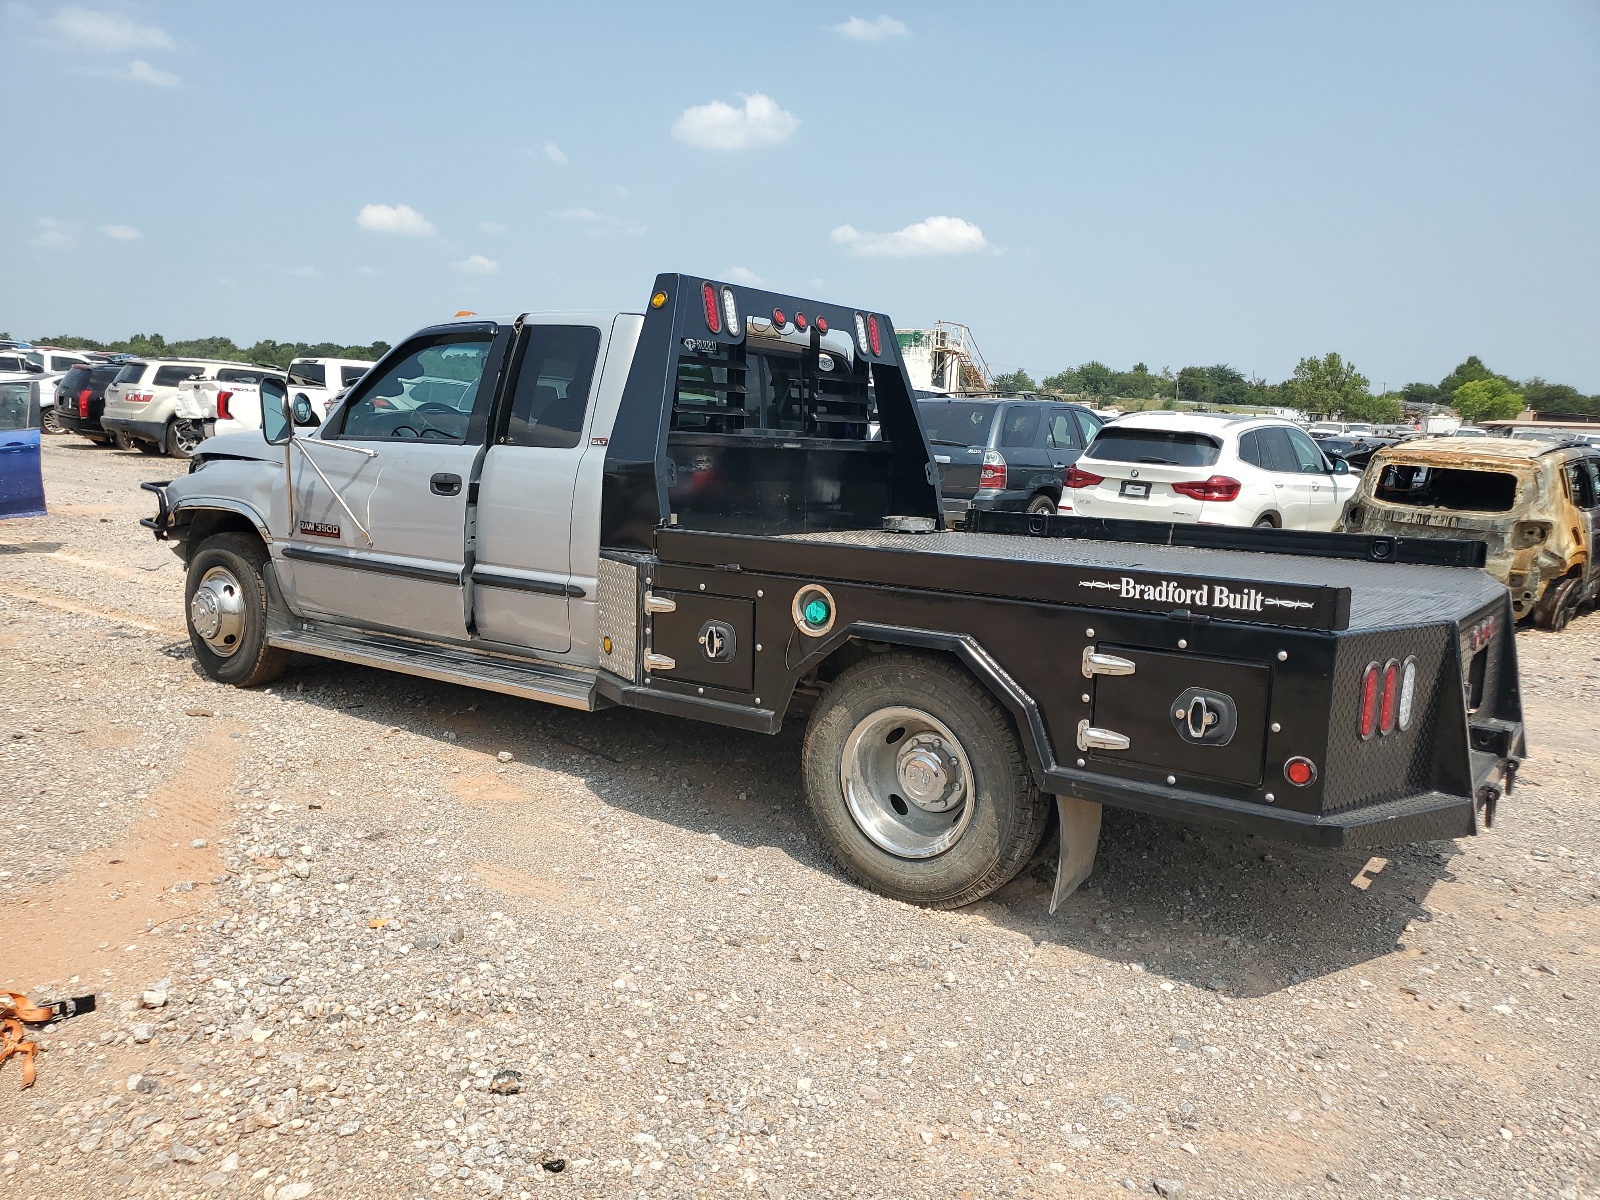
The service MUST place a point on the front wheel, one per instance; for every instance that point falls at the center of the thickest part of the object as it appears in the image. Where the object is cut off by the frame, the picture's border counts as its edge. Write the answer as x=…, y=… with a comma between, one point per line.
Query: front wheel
x=226, y=600
x=919, y=782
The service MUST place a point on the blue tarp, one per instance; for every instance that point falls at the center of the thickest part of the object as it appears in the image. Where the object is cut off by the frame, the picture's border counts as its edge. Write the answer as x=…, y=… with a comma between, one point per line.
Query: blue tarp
x=21, y=473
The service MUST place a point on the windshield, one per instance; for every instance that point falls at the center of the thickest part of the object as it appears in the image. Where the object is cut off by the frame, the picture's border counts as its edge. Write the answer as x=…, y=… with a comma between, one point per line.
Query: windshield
x=957, y=424
x=1118, y=443
x=307, y=374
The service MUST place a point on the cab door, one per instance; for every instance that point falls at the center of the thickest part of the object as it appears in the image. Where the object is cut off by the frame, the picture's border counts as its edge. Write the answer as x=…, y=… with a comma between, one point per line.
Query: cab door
x=377, y=533
x=1320, y=498
x=21, y=482
x=523, y=579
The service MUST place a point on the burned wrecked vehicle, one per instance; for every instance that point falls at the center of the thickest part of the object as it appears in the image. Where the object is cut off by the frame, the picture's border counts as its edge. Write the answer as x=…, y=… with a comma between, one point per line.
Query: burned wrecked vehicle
x=1535, y=505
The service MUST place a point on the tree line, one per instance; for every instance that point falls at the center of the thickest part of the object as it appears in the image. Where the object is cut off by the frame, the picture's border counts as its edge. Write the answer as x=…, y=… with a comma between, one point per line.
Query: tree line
x=1329, y=386
x=264, y=353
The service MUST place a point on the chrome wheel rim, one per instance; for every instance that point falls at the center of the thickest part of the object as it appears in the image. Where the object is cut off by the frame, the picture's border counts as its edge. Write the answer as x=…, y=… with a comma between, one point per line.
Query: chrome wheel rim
x=216, y=611
x=187, y=437
x=907, y=782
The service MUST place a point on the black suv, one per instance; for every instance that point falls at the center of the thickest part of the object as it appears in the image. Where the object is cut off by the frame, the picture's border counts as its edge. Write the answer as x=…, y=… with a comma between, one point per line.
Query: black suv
x=1004, y=454
x=81, y=396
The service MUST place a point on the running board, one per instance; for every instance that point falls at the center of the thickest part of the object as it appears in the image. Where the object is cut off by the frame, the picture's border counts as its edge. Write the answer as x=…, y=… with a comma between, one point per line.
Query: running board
x=568, y=687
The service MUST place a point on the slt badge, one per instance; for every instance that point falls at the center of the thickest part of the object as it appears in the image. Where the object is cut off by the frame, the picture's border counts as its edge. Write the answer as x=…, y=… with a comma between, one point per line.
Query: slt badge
x=718, y=642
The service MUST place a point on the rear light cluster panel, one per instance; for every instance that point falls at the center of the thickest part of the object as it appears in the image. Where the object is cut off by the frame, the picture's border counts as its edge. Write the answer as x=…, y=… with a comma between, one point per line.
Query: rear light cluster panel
x=721, y=309
x=1388, y=697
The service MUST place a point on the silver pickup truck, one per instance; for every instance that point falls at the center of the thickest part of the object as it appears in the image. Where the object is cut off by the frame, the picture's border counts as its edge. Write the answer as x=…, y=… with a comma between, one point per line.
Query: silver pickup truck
x=724, y=506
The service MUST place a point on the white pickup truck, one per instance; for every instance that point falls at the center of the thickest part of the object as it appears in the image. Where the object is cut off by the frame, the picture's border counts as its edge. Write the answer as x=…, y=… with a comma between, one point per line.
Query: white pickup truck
x=205, y=408
x=682, y=509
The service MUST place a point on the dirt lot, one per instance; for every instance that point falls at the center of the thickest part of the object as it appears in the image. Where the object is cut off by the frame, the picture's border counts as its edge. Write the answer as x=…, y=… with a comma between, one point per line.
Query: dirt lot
x=322, y=917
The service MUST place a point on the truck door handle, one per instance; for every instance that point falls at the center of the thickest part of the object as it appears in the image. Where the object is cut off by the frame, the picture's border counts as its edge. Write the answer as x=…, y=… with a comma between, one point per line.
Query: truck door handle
x=445, y=484
x=1090, y=738
x=1095, y=663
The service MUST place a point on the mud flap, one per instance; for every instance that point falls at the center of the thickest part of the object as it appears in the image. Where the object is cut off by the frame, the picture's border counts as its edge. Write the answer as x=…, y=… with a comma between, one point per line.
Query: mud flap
x=1080, y=839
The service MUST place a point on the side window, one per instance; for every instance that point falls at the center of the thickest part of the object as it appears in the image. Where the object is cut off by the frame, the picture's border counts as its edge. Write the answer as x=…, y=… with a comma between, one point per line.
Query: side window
x=1250, y=448
x=1021, y=429
x=428, y=394
x=1591, y=468
x=1580, y=477
x=1088, y=423
x=551, y=395
x=1308, y=459
x=1276, y=452
x=349, y=375
x=173, y=376
x=1064, y=431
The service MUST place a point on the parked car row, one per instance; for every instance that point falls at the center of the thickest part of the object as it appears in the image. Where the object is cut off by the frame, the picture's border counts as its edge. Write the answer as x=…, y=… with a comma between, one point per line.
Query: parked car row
x=169, y=405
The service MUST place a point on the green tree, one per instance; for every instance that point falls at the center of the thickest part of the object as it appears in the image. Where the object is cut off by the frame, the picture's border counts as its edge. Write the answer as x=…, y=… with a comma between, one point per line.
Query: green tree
x=1138, y=382
x=1327, y=386
x=1015, y=381
x=1098, y=379
x=1558, y=399
x=1488, y=399
x=1424, y=393
x=1469, y=371
x=1377, y=410
x=1063, y=383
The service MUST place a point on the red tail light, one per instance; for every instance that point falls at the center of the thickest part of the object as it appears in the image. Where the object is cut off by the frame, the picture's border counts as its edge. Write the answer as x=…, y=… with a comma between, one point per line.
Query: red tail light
x=1369, y=701
x=993, y=474
x=778, y=318
x=799, y=320
x=713, y=310
x=1301, y=772
x=1218, y=487
x=872, y=337
x=1077, y=477
x=1387, y=708
x=83, y=404
x=822, y=324
x=223, y=412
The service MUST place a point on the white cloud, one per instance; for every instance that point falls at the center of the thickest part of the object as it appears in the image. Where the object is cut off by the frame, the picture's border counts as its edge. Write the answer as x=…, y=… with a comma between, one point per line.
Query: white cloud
x=720, y=126
x=936, y=235
x=120, y=233
x=394, y=218
x=477, y=264
x=861, y=30
x=745, y=276
x=111, y=32
x=554, y=153
x=491, y=227
x=599, y=223
x=142, y=72
x=303, y=272
x=53, y=235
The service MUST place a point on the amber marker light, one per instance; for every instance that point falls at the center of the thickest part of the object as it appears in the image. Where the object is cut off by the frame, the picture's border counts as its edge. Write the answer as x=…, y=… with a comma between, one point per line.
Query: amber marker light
x=466, y=313
x=658, y=300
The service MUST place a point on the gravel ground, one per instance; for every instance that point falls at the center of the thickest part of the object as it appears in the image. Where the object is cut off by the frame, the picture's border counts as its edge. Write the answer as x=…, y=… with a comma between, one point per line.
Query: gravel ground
x=357, y=935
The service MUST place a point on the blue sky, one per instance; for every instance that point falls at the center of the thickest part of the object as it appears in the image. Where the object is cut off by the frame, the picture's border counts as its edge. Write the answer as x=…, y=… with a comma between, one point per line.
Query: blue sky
x=1168, y=182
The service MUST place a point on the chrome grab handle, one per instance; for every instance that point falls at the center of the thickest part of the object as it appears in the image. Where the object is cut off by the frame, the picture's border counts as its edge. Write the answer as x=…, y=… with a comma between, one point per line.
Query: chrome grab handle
x=659, y=604
x=658, y=662
x=1096, y=663
x=1090, y=738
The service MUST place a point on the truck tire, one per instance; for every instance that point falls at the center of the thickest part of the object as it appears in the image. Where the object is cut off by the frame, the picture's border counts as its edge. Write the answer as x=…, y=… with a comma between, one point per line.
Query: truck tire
x=919, y=782
x=225, y=601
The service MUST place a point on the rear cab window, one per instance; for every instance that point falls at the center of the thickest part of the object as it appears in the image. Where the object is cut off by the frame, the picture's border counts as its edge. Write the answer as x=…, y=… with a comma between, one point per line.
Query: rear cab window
x=75, y=380
x=1176, y=448
x=131, y=372
x=241, y=375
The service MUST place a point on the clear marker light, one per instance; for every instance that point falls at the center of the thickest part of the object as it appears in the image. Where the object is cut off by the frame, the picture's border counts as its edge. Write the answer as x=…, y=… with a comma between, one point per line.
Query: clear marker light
x=861, y=334
x=730, y=310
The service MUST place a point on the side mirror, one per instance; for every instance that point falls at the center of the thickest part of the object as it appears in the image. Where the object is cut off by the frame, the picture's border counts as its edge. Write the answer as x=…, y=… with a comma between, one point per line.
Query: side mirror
x=1340, y=467
x=304, y=414
x=277, y=422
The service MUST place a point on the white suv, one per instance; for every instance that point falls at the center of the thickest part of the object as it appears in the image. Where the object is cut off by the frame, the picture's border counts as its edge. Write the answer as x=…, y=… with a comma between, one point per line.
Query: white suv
x=141, y=401
x=323, y=380
x=1211, y=470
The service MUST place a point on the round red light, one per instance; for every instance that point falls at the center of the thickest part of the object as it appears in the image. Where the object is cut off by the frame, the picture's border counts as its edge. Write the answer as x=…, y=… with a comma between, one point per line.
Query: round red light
x=799, y=320
x=778, y=319
x=822, y=324
x=1300, y=771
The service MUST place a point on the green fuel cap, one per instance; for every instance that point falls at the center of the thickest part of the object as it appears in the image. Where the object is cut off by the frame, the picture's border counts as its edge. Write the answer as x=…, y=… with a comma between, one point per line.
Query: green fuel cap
x=816, y=611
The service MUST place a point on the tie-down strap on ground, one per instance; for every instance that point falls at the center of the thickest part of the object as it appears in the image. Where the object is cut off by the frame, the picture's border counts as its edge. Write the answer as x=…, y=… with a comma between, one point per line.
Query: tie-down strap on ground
x=16, y=1012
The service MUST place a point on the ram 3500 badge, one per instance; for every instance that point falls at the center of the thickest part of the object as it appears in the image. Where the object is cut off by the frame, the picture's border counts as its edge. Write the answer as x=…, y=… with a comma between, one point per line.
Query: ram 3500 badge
x=686, y=509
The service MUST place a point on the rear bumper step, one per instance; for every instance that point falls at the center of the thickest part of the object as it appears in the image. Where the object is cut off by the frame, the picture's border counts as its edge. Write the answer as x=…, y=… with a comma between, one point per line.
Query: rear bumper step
x=449, y=664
